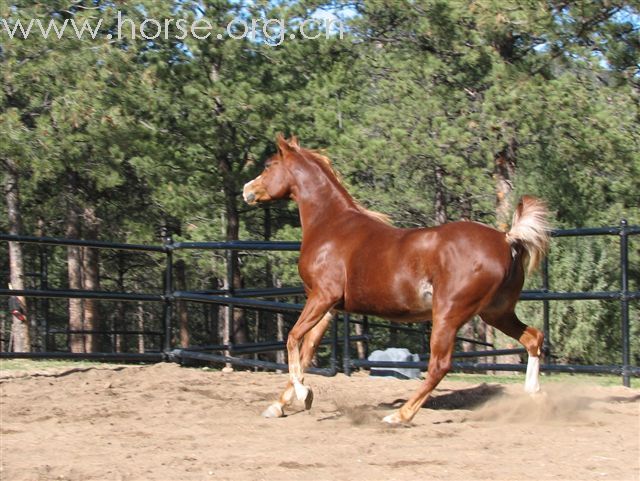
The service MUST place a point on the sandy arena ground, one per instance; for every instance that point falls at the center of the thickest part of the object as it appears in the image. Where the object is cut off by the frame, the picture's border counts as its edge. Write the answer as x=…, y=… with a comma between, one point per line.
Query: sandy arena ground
x=164, y=422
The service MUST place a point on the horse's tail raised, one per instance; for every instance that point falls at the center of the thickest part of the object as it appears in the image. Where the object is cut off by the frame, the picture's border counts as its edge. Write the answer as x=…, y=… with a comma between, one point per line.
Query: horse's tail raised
x=530, y=229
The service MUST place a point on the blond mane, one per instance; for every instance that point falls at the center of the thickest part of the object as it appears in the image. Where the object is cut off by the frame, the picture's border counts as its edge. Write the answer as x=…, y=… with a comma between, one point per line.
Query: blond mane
x=326, y=162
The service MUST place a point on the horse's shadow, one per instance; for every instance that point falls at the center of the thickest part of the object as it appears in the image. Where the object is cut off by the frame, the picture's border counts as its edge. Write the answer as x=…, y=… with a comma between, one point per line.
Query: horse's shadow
x=453, y=399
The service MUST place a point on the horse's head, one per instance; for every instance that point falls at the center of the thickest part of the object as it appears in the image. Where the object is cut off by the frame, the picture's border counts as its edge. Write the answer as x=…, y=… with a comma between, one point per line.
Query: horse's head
x=275, y=181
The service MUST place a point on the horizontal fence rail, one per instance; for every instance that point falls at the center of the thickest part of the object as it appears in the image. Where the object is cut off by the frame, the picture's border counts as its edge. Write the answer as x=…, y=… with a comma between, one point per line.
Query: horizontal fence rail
x=238, y=245
x=82, y=294
x=254, y=299
x=577, y=296
x=56, y=241
x=90, y=356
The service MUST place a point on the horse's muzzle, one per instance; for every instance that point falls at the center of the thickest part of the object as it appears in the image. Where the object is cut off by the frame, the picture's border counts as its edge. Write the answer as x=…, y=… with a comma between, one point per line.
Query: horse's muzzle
x=249, y=194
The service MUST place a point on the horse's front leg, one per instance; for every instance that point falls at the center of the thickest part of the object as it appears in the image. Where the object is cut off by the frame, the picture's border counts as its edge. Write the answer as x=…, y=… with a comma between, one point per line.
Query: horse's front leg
x=311, y=326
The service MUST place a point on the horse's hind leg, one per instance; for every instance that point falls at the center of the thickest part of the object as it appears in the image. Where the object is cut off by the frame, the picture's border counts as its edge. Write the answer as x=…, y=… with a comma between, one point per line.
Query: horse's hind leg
x=443, y=337
x=310, y=344
x=530, y=337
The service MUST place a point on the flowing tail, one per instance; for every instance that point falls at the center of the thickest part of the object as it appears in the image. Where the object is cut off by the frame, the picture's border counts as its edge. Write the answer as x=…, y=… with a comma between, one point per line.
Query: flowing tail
x=530, y=229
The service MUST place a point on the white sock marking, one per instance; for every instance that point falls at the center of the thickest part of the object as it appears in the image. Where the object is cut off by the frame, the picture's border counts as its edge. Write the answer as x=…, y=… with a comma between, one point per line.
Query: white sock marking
x=531, y=384
x=301, y=391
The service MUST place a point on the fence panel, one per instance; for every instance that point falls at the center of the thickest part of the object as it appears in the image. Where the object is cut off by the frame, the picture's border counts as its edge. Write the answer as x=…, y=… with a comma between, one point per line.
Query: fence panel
x=253, y=299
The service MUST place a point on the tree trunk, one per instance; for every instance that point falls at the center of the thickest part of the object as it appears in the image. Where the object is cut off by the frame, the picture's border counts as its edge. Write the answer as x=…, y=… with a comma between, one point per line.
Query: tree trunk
x=91, y=280
x=239, y=334
x=212, y=322
x=45, y=307
x=214, y=317
x=360, y=344
x=468, y=332
x=280, y=354
x=466, y=209
x=226, y=334
x=222, y=328
x=280, y=357
x=120, y=312
x=224, y=316
x=504, y=173
x=490, y=335
x=19, y=322
x=4, y=344
x=118, y=324
x=141, y=315
x=270, y=329
x=440, y=205
x=181, y=306
x=74, y=265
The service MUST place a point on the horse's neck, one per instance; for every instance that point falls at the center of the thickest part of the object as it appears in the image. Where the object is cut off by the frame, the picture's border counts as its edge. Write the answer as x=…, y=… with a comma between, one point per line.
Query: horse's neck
x=321, y=202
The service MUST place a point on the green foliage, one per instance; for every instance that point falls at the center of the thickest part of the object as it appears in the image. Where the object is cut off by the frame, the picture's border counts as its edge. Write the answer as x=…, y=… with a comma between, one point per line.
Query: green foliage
x=584, y=331
x=413, y=104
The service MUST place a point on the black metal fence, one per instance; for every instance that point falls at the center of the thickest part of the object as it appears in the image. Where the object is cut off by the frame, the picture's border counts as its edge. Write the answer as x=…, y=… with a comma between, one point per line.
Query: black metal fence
x=340, y=346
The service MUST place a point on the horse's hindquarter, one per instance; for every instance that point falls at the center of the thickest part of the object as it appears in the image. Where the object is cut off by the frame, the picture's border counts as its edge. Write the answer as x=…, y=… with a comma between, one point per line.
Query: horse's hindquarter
x=474, y=266
x=395, y=273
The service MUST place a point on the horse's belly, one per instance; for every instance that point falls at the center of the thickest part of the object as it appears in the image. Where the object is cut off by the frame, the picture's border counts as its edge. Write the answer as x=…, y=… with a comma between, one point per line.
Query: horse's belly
x=406, y=302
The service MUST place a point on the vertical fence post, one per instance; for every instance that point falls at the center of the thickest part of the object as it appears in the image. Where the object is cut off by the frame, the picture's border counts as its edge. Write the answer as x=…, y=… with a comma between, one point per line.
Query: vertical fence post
x=167, y=242
x=334, y=345
x=365, y=331
x=44, y=285
x=624, y=301
x=346, y=347
x=546, y=330
x=229, y=328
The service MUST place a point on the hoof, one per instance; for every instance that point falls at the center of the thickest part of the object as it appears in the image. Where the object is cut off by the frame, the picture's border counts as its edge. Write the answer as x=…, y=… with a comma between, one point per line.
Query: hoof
x=532, y=391
x=308, y=402
x=273, y=411
x=394, y=419
x=538, y=396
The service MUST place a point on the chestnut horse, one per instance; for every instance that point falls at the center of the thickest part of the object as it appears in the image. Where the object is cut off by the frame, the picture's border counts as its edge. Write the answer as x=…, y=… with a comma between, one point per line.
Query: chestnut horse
x=353, y=260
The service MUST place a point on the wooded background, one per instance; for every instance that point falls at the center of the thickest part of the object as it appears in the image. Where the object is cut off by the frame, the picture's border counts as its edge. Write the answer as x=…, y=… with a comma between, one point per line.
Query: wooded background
x=432, y=111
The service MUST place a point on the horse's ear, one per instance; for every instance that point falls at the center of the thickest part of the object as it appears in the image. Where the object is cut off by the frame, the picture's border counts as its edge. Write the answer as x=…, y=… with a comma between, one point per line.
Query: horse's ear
x=285, y=145
x=282, y=144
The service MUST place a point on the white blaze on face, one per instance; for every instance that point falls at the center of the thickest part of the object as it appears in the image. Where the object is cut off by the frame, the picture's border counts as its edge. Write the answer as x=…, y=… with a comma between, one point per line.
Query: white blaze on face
x=247, y=189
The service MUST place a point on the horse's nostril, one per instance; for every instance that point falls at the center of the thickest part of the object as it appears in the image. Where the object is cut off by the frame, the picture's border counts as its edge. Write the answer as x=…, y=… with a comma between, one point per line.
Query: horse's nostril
x=251, y=197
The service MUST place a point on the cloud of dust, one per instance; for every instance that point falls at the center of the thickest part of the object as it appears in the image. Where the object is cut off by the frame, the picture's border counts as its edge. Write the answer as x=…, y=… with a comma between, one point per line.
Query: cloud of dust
x=356, y=414
x=555, y=404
